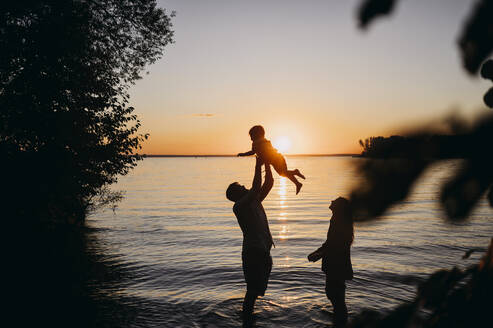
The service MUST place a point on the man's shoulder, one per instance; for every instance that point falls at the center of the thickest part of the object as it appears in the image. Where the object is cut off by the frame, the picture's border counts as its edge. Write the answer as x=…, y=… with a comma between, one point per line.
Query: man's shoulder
x=240, y=205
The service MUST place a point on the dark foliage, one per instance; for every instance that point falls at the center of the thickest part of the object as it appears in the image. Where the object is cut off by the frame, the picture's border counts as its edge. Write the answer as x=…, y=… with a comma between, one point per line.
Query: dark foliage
x=487, y=70
x=448, y=298
x=401, y=160
x=371, y=9
x=66, y=129
x=488, y=98
x=475, y=42
x=60, y=276
x=487, y=73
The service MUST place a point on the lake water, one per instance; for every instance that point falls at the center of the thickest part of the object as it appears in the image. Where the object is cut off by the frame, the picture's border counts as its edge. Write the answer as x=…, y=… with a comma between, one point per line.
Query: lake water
x=178, y=241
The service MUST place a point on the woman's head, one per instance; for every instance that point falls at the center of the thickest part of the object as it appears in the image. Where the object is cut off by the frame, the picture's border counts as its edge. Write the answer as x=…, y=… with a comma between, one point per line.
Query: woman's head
x=341, y=207
x=342, y=219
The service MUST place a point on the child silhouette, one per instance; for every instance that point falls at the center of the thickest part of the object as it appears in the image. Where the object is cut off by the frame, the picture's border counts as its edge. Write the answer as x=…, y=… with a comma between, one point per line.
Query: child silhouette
x=269, y=155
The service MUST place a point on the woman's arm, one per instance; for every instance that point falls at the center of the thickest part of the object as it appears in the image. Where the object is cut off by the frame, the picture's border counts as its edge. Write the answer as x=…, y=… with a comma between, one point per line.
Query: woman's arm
x=319, y=253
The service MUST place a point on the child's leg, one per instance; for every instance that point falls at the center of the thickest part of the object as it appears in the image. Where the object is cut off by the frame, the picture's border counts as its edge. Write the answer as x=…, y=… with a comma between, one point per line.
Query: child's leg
x=281, y=168
x=290, y=176
x=297, y=172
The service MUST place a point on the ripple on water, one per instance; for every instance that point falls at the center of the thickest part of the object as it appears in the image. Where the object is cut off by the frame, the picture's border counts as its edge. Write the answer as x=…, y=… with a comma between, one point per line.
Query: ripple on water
x=177, y=246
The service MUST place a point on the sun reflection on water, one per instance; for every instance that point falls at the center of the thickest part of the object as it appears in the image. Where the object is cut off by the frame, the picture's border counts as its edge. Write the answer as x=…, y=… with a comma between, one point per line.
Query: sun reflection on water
x=283, y=234
x=282, y=187
x=282, y=191
x=285, y=262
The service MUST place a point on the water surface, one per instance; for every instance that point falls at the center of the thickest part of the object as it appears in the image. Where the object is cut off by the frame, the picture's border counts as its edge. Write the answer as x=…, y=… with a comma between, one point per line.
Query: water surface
x=177, y=238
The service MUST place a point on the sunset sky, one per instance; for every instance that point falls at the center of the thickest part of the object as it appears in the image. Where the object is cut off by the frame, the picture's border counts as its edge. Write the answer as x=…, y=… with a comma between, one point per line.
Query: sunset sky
x=304, y=71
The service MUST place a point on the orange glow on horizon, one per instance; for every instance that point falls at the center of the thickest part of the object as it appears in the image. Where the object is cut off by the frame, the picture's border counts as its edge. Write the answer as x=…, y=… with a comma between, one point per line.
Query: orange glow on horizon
x=325, y=94
x=217, y=136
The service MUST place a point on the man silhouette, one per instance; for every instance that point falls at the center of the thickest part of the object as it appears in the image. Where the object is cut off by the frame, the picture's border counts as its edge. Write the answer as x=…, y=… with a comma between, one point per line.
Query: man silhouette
x=257, y=239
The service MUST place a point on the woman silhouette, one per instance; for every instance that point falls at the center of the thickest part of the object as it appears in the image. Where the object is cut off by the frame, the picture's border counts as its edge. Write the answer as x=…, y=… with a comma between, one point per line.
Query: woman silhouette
x=336, y=257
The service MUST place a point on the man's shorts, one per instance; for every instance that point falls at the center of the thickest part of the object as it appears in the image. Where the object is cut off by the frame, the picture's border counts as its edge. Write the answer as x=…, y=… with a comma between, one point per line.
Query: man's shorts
x=257, y=265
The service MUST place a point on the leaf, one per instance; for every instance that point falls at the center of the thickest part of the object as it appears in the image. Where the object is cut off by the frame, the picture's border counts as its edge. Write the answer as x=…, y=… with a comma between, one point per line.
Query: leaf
x=371, y=9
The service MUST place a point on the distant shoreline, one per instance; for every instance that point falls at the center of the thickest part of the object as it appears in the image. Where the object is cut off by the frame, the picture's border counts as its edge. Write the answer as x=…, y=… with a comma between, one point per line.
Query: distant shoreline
x=288, y=155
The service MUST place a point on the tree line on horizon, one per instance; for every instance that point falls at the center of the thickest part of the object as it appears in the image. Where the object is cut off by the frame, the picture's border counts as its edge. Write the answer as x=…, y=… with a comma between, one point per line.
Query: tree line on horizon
x=433, y=146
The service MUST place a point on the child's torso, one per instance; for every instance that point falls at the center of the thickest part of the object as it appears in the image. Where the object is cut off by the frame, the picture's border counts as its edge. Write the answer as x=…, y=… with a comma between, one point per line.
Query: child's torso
x=263, y=147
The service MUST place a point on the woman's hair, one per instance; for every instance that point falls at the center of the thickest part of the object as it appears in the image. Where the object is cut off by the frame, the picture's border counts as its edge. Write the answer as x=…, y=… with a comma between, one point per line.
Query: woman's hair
x=257, y=131
x=341, y=224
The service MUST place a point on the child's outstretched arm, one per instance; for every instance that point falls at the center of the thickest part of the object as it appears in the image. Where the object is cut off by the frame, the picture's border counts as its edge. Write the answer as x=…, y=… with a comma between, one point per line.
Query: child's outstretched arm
x=247, y=153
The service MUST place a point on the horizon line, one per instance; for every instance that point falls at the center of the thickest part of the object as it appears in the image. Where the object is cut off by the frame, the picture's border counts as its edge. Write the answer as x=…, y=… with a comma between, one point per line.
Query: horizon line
x=234, y=155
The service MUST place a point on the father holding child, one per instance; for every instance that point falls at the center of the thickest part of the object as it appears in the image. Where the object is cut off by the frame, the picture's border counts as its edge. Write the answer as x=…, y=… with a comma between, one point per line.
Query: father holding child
x=257, y=239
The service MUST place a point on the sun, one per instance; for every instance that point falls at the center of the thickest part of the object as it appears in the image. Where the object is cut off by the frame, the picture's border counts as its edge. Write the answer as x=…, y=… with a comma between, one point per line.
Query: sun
x=282, y=144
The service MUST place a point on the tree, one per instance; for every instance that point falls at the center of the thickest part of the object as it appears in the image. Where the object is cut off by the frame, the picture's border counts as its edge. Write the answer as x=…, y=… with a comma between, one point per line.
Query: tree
x=66, y=128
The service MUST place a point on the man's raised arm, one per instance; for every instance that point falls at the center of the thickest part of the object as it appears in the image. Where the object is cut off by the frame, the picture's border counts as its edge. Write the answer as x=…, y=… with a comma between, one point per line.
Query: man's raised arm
x=257, y=180
x=268, y=183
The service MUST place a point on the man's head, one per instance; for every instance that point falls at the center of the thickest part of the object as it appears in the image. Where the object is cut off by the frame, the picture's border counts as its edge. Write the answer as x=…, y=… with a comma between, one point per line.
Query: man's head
x=235, y=192
x=256, y=132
